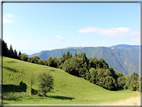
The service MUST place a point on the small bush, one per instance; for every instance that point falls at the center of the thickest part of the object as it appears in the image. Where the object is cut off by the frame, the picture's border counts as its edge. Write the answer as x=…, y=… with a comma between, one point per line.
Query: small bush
x=45, y=82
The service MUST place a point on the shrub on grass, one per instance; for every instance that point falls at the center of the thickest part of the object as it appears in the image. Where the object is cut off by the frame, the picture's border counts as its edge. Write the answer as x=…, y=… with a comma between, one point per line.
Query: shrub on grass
x=45, y=82
x=24, y=57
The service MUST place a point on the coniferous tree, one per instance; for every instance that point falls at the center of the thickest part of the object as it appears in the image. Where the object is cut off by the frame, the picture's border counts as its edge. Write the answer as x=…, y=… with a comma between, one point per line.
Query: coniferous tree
x=15, y=53
x=85, y=58
x=19, y=55
x=67, y=55
x=75, y=54
x=11, y=51
x=70, y=56
x=64, y=55
x=4, y=49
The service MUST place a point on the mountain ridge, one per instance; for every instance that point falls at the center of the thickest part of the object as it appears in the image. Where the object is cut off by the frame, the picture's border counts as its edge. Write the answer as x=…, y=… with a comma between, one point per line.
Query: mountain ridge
x=120, y=45
x=123, y=58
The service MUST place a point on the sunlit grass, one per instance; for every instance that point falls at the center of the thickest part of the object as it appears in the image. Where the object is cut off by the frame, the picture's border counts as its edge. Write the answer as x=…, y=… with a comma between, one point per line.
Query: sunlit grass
x=68, y=89
x=130, y=101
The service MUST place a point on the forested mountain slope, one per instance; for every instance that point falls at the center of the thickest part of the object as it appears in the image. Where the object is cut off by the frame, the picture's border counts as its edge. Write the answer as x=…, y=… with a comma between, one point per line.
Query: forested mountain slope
x=123, y=58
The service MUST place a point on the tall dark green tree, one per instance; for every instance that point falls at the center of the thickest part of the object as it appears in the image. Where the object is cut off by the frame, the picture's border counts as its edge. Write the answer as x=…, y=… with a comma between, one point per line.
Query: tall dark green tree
x=19, y=53
x=70, y=56
x=75, y=54
x=50, y=62
x=11, y=51
x=84, y=58
x=15, y=53
x=64, y=55
x=4, y=49
x=67, y=55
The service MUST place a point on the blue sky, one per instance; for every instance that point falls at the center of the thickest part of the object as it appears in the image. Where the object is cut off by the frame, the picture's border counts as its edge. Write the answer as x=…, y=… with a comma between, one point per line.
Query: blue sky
x=33, y=27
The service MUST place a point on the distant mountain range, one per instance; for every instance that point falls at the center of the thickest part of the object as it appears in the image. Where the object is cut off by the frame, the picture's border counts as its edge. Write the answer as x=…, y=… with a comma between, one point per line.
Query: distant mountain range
x=123, y=58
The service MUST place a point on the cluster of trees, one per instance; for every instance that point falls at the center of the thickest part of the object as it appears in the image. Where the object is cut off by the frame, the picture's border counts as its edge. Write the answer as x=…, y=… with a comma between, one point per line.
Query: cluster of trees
x=9, y=52
x=94, y=70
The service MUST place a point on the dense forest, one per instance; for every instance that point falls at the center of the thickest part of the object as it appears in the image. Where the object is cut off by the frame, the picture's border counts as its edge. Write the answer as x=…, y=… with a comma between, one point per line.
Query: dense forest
x=97, y=71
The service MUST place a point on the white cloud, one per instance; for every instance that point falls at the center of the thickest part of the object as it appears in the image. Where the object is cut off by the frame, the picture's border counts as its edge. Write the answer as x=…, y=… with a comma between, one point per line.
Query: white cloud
x=136, y=39
x=79, y=38
x=6, y=20
x=111, y=32
x=10, y=15
x=59, y=37
x=61, y=26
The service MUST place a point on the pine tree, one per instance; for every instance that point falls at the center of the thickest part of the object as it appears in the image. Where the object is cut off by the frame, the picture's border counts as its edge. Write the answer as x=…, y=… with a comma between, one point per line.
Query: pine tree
x=67, y=55
x=11, y=51
x=84, y=58
x=64, y=55
x=70, y=55
x=19, y=55
x=75, y=54
x=15, y=53
x=4, y=49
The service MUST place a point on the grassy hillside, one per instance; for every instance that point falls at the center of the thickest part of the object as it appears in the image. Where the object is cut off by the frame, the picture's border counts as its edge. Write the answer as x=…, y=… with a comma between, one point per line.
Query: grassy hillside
x=68, y=89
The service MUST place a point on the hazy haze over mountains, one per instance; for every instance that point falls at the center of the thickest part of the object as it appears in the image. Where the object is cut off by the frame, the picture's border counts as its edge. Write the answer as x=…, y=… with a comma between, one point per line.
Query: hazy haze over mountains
x=123, y=58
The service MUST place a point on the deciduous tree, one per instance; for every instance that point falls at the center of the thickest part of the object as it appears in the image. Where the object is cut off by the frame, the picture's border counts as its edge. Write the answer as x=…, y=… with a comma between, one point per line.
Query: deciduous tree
x=45, y=82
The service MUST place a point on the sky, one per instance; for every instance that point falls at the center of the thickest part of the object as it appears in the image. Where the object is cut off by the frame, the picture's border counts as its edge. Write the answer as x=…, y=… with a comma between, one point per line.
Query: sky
x=33, y=27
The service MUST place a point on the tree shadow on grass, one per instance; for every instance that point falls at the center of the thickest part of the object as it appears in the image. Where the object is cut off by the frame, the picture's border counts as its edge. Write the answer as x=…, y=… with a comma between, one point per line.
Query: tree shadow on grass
x=34, y=92
x=11, y=88
x=61, y=97
x=12, y=99
x=118, y=89
x=14, y=88
x=11, y=69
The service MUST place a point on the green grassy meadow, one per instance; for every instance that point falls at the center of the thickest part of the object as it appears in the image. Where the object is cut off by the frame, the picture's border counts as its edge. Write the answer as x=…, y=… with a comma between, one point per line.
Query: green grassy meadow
x=68, y=89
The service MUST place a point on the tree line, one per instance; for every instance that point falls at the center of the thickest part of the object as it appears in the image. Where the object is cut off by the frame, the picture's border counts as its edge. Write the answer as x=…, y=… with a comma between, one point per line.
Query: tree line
x=95, y=70
x=9, y=52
